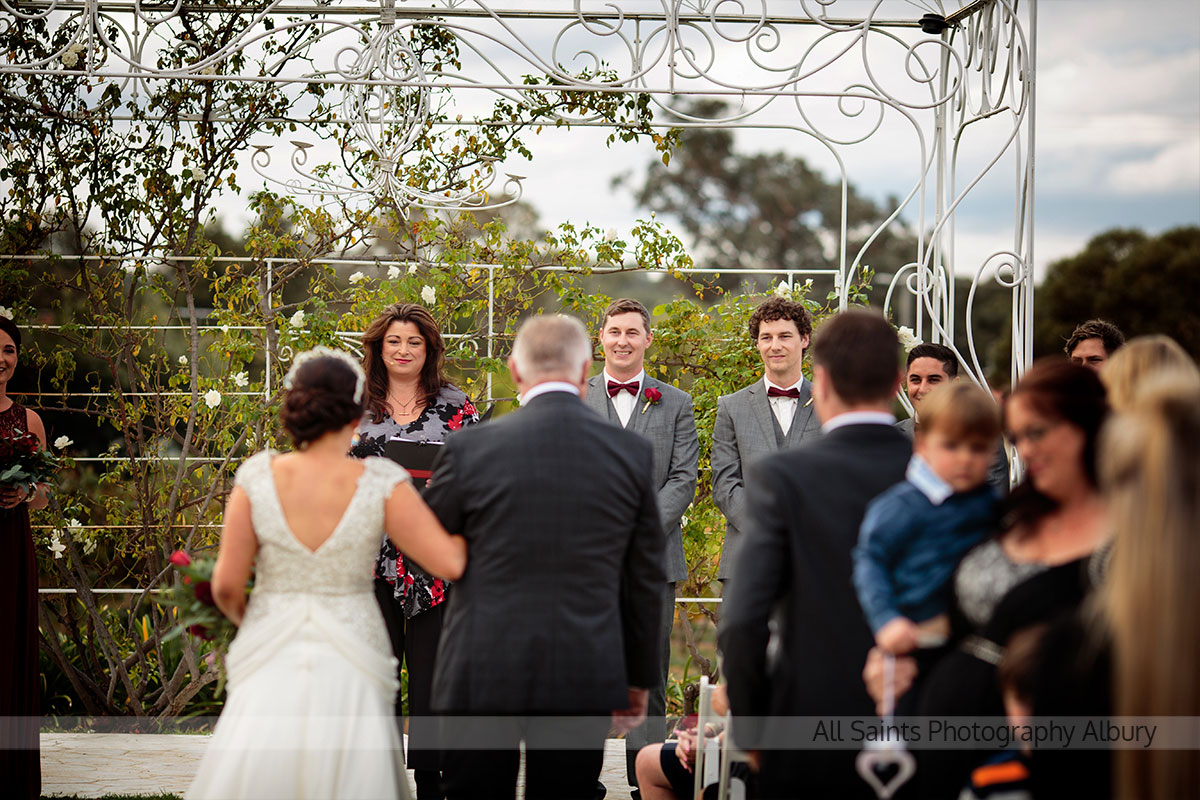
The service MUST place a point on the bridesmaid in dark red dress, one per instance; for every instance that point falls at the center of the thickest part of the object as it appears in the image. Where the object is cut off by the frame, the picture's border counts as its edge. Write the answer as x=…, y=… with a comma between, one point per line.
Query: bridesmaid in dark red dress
x=19, y=684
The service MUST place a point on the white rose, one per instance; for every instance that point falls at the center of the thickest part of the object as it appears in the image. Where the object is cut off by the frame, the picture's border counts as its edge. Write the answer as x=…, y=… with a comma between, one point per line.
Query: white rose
x=297, y=319
x=69, y=59
x=56, y=545
x=4, y=312
x=74, y=524
x=62, y=442
x=89, y=545
x=428, y=295
x=357, y=277
x=393, y=273
x=908, y=339
x=212, y=398
x=412, y=269
x=224, y=329
x=198, y=174
x=240, y=380
x=183, y=360
x=611, y=235
x=782, y=290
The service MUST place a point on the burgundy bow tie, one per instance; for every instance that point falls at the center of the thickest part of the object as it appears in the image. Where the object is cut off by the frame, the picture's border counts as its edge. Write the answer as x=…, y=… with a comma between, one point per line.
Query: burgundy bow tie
x=615, y=388
x=773, y=391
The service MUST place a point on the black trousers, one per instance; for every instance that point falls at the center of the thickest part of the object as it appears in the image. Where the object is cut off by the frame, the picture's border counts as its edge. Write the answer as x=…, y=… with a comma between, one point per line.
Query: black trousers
x=654, y=729
x=552, y=772
x=414, y=644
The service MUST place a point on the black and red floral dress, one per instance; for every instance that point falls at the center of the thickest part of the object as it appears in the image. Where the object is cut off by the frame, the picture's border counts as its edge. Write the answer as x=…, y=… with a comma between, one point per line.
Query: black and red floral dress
x=416, y=590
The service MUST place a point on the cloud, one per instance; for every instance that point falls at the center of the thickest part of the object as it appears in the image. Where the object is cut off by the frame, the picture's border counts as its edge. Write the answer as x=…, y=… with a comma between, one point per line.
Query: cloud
x=1175, y=167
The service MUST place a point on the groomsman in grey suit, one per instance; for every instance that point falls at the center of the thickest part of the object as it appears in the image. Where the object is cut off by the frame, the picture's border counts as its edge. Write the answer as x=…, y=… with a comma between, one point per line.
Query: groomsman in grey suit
x=772, y=414
x=626, y=396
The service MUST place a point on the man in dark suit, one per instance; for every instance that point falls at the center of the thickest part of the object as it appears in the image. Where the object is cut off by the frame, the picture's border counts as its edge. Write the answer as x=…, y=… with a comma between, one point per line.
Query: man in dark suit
x=625, y=395
x=805, y=507
x=554, y=624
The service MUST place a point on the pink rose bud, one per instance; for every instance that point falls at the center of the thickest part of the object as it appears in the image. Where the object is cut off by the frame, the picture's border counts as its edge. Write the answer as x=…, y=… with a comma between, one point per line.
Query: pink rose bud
x=180, y=558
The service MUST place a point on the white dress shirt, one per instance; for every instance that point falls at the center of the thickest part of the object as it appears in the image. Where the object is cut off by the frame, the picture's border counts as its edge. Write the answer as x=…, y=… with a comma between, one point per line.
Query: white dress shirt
x=858, y=418
x=784, y=408
x=624, y=402
x=549, y=386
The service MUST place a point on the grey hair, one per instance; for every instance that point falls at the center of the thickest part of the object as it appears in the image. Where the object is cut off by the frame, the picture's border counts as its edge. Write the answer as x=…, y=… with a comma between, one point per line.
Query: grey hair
x=551, y=346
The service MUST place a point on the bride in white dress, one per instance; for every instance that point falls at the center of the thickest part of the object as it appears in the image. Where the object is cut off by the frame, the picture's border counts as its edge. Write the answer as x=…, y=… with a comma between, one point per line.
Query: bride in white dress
x=312, y=679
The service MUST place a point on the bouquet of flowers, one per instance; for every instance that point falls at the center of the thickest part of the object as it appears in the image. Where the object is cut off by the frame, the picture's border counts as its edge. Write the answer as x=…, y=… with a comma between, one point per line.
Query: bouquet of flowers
x=23, y=462
x=198, y=613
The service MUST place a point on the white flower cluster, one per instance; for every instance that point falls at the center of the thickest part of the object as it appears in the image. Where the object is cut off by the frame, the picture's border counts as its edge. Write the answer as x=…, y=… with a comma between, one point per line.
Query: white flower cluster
x=5, y=312
x=611, y=235
x=240, y=379
x=70, y=58
x=783, y=290
x=56, y=544
x=908, y=339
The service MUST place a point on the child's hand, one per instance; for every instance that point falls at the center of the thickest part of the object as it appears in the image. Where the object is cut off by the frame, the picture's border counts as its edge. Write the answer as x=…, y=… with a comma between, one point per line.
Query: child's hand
x=897, y=636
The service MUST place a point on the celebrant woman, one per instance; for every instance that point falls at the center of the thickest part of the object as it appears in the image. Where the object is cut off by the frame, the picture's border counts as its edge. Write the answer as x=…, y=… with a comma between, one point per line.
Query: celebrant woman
x=409, y=397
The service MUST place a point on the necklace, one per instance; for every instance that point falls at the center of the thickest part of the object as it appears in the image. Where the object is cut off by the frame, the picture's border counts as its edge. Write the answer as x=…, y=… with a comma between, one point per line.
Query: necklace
x=405, y=408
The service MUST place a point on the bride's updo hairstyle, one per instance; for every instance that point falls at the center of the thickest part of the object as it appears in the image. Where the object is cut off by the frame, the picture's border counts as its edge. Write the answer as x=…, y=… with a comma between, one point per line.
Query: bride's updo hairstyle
x=324, y=393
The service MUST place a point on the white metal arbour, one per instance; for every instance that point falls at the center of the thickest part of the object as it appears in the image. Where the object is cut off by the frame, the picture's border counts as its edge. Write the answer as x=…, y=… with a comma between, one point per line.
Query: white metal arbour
x=954, y=80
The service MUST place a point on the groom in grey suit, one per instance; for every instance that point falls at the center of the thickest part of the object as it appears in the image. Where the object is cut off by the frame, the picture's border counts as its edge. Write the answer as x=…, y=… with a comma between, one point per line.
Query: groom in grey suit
x=626, y=396
x=772, y=414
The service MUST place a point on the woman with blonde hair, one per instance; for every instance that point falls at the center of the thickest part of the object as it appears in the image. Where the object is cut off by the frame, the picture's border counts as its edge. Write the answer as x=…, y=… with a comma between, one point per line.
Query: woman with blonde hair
x=1140, y=359
x=1150, y=474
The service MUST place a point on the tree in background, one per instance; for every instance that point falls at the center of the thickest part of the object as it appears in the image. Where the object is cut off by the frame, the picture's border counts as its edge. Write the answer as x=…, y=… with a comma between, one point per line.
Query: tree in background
x=748, y=210
x=1142, y=283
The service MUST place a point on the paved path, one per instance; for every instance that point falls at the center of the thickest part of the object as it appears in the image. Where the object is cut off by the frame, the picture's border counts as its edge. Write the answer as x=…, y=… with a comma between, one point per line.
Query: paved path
x=98, y=764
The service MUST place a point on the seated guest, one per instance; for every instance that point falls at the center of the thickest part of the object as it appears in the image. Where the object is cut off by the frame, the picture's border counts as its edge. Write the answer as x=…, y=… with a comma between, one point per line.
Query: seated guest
x=1141, y=358
x=1035, y=569
x=1093, y=342
x=914, y=534
x=767, y=416
x=805, y=507
x=667, y=771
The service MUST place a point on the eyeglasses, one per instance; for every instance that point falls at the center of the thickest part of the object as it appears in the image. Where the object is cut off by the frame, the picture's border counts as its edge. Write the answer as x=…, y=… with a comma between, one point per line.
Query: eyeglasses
x=1033, y=434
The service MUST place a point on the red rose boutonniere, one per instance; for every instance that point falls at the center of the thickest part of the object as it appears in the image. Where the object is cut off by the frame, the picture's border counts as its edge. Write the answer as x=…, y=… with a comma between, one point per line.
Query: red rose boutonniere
x=653, y=396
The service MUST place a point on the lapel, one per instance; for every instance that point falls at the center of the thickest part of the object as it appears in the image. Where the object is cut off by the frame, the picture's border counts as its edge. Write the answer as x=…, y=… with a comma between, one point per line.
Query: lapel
x=804, y=412
x=597, y=399
x=761, y=409
x=639, y=422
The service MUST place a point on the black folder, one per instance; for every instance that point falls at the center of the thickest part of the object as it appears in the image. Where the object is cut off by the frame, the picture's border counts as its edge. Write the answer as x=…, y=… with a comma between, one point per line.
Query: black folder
x=416, y=456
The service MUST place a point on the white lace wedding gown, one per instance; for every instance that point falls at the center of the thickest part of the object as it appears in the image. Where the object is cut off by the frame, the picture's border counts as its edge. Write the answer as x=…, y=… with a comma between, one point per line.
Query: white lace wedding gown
x=312, y=679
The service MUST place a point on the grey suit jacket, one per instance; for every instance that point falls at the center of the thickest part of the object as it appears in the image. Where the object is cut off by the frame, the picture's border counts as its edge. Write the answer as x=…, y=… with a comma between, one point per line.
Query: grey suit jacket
x=744, y=433
x=670, y=427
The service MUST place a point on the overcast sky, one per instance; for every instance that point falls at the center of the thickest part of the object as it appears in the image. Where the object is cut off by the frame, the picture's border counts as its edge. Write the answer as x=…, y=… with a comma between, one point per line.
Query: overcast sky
x=1117, y=139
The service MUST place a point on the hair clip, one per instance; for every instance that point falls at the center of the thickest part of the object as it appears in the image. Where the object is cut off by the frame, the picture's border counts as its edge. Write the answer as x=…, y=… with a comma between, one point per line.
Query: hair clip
x=321, y=351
